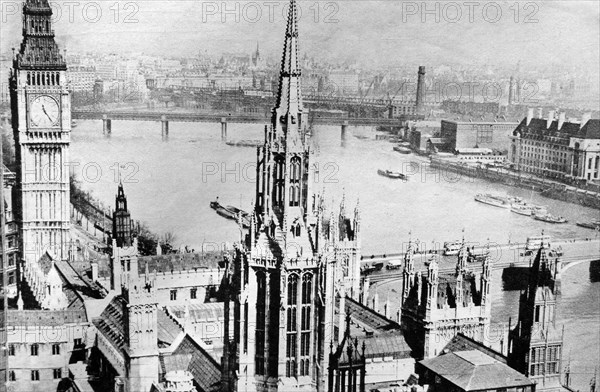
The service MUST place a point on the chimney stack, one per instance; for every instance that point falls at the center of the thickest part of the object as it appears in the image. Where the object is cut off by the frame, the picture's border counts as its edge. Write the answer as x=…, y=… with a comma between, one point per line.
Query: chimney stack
x=540, y=113
x=511, y=90
x=529, y=115
x=420, y=90
x=585, y=118
x=561, y=119
x=550, y=118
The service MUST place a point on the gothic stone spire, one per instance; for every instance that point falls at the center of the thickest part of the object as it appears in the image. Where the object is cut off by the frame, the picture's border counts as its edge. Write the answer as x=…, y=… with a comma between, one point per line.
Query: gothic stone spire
x=287, y=114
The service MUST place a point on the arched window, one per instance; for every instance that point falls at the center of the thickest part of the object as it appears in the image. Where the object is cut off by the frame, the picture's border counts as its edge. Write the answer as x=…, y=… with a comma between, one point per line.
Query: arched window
x=292, y=289
x=295, y=169
x=261, y=305
x=291, y=319
x=306, y=288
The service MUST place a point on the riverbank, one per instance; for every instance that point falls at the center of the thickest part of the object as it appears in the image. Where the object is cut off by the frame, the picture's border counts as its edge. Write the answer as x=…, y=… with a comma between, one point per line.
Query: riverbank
x=546, y=188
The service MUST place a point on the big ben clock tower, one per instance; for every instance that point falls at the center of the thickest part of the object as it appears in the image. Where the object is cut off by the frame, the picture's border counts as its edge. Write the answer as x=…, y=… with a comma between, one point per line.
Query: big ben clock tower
x=41, y=118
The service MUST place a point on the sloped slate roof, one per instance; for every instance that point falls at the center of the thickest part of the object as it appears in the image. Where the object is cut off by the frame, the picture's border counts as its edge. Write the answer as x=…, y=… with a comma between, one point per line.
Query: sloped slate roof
x=18, y=318
x=463, y=343
x=111, y=323
x=473, y=371
x=389, y=344
x=206, y=371
x=168, y=329
x=590, y=130
x=382, y=337
x=180, y=262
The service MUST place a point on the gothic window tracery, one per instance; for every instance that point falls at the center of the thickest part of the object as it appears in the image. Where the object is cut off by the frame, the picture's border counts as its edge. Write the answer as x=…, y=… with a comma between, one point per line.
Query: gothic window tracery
x=261, y=305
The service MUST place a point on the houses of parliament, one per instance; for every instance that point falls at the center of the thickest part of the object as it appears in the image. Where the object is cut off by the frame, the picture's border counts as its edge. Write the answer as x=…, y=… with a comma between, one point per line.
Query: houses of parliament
x=286, y=310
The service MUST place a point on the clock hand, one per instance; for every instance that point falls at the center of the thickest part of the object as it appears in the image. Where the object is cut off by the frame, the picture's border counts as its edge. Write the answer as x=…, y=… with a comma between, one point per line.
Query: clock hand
x=46, y=113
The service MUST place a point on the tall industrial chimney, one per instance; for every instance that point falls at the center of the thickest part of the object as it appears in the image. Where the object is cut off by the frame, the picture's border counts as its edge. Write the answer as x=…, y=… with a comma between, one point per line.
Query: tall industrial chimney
x=511, y=91
x=421, y=90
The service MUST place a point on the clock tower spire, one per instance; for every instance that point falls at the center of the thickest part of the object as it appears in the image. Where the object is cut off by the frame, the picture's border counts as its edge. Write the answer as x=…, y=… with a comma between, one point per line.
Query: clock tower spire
x=41, y=118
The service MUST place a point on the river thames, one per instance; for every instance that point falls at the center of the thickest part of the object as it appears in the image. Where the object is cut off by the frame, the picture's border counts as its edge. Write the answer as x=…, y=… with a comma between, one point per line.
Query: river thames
x=169, y=185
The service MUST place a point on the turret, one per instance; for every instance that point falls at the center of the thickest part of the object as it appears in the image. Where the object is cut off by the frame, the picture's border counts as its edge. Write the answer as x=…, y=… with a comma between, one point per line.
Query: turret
x=141, y=335
x=432, y=286
x=409, y=271
x=486, y=279
x=463, y=255
x=122, y=228
x=356, y=222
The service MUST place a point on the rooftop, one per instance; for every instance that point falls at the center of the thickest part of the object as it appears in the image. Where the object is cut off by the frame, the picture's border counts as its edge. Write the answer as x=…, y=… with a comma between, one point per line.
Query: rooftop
x=473, y=370
x=382, y=337
x=180, y=262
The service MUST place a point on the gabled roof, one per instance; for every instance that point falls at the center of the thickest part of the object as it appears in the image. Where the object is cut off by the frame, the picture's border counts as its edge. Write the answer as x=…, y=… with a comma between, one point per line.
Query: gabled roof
x=473, y=371
x=206, y=371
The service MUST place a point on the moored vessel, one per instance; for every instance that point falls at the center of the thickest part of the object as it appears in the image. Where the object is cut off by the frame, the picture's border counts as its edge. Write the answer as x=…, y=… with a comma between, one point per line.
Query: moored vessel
x=402, y=149
x=549, y=218
x=244, y=143
x=521, y=209
x=492, y=200
x=594, y=225
x=391, y=174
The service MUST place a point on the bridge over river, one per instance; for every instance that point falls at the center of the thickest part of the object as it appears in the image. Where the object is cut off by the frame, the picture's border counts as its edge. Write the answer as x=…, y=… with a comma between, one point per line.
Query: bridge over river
x=108, y=117
x=503, y=256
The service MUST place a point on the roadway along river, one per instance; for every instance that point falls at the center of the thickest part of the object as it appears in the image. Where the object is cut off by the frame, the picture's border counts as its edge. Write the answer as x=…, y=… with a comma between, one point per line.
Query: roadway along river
x=170, y=184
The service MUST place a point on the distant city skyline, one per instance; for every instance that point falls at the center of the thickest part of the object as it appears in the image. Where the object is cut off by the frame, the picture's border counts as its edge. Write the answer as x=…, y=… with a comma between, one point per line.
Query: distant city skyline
x=372, y=33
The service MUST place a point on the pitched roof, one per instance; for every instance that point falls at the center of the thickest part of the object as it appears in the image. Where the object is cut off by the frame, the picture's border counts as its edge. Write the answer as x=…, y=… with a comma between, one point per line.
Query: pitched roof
x=382, y=336
x=16, y=318
x=168, y=329
x=461, y=342
x=473, y=370
x=206, y=371
x=590, y=130
x=111, y=323
x=179, y=262
x=538, y=127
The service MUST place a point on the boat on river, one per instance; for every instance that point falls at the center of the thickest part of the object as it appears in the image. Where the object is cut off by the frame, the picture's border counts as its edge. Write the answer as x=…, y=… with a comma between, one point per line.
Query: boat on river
x=594, y=225
x=492, y=200
x=521, y=209
x=402, y=149
x=391, y=174
x=549, y=218
x=244, y=143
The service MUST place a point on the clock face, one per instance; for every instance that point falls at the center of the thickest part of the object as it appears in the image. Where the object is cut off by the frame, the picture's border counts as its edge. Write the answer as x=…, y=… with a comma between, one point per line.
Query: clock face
x=44, y=112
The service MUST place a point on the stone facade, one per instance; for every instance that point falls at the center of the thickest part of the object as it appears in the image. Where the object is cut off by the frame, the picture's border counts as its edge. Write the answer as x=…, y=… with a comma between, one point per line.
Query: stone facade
x=556, y=148
x=286, y=273
x=435, y=308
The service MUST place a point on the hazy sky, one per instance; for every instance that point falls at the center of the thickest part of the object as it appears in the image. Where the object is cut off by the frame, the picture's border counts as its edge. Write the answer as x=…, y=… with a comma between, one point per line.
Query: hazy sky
x=378, y=32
